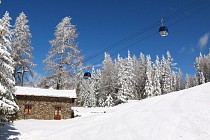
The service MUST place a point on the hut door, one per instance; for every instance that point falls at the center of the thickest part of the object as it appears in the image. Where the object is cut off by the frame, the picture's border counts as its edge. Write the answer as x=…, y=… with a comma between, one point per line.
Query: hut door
x=57, y=113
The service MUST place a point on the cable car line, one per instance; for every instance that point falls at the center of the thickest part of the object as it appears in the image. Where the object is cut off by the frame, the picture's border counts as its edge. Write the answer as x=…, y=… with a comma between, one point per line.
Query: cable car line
x=184, y=18
x=176, y=13
x=139, y=33
x=163, y=30
x=123, y=41
x=87, y=75
x=147, y=29
x=187, y=7
x=197, y=11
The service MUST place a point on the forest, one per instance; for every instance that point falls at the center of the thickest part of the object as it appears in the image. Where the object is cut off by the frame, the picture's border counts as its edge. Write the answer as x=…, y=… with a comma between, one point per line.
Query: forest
x=116, y=81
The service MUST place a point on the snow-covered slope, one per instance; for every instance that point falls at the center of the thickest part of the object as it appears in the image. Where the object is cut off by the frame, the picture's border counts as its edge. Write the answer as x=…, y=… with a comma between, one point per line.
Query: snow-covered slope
x=183, y=115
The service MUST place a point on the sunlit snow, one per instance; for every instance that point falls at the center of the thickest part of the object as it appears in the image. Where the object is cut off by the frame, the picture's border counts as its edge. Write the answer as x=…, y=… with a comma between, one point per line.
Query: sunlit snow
x=183, y=115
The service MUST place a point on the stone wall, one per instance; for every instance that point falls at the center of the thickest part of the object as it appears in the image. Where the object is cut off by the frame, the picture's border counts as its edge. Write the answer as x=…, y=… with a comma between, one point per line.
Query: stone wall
x=43, y=107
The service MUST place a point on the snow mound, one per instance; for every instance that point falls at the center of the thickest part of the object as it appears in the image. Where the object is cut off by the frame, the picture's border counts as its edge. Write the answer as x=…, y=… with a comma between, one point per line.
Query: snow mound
x=183, y=115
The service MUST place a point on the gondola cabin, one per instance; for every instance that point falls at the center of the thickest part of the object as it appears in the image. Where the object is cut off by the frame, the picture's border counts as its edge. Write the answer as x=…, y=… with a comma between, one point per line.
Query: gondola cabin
x=163, y=31
x=87, y=75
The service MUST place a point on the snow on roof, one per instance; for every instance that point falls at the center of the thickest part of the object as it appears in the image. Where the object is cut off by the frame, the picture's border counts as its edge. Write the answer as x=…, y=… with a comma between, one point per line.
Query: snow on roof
x=29, y=91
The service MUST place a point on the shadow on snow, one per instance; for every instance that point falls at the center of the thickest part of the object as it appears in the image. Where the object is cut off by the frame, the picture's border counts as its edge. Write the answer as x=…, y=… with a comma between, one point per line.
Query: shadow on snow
x=7, y=131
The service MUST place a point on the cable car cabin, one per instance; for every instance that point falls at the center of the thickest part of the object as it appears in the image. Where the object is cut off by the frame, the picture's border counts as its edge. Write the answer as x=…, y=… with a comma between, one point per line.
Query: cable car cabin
x=87, y=75
x=163, y=31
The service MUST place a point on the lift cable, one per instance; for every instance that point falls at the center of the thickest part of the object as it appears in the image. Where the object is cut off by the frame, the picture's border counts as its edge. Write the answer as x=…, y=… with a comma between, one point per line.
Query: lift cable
x=176, y=13
x=172, y=24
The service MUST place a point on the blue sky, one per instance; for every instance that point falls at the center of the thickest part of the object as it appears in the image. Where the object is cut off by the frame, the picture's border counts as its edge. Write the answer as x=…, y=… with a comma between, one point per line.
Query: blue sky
x=102, y=23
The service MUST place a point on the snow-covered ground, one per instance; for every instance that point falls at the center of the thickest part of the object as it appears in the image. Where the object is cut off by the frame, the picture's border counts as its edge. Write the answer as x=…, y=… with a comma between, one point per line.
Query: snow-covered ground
x=183, y=115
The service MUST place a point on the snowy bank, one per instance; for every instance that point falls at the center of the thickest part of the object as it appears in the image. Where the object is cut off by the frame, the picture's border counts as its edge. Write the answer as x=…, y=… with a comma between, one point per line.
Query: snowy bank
x=183, y=115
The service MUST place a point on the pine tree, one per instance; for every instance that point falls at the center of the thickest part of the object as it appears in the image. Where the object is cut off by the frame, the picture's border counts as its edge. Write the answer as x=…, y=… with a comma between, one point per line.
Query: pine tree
x=199, y=68
x=191, y=81
x=83, y=93
x=179, y=80
x=86, y=91
x=79, y=84
x=148, y=85
x=63, y=60
x=202, y=78
x=97, y=85
x=202, y=66
x=129, y=78
x=187, y=82
x=126, y=80
x=195, y=81
x=121, y=95
x=205, y=63
x=92, y=100
x=22, y=50
x=109, y=101
x=106, y=86
x=8, y=106
x=166, y=76
x=112, y=98
x=156, y=78
x=89, y=96
x=140, y=75
x=173, y=82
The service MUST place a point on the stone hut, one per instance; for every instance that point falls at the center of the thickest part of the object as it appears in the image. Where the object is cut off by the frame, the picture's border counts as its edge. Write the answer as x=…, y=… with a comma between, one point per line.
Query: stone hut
x=44, y=104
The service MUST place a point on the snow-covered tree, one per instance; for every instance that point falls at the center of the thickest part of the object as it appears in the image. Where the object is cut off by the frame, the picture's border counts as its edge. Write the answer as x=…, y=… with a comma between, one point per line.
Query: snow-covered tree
x=92, y=100
x=97, y=85
x=109, y=101
x=148, y=85
x=8, y=106
x=79, y=82
x=173, y=82
x=187, y=82
x=113, y=99
x=106, y=86
x=166, y=76
x=121, y=96
x=140, y=75
x=201, y=78
x=90, y=97
x=129, y=77
x=85, y=89
x=156, y=77
x=126, y=81
x=83, y=92
x=195, y=80
x=21, y=50
x=88, y=90
x=63, y=59
x=190, y=81
x=179, y=81
x=202, y=66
